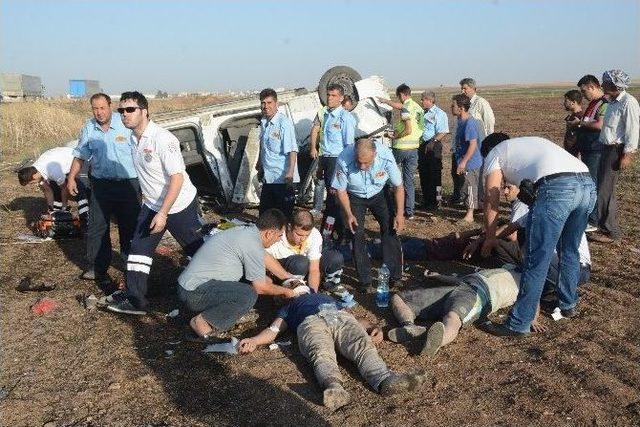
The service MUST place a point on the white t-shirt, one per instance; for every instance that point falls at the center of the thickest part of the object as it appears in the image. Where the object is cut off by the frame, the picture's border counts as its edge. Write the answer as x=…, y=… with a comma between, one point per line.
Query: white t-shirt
x=156, y=157
x=55, y=164
x=530, y=157
x=311, y=247
x=519, y=212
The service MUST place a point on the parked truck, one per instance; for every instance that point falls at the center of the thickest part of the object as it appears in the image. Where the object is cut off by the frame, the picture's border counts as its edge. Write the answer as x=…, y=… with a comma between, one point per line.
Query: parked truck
x=20, y=86
x=83, y=88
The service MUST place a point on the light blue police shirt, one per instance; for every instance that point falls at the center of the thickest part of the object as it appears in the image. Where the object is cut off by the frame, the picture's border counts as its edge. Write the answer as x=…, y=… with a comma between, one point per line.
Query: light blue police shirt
x=338, y=129
x=277, y=140
x=108, y=153
x=435, y=122
x=366, y=183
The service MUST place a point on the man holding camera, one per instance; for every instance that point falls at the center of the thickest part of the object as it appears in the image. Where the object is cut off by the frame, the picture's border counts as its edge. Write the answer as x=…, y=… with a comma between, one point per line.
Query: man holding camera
x=560, y=193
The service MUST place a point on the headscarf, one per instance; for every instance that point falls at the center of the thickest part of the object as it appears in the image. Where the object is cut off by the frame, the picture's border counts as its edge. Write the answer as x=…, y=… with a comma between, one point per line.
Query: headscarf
x=617, y=77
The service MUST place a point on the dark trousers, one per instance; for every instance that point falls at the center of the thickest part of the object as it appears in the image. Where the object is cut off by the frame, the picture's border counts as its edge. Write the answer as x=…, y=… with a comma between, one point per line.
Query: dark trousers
x=278, y=196
x=607, y=202
x=458, y=180
x=332, y=207
x=82, y=198
x=111, y=198
x=221, y=303
x=184, y=227
x=430, y=171
x=331, y=263
x=391, y=249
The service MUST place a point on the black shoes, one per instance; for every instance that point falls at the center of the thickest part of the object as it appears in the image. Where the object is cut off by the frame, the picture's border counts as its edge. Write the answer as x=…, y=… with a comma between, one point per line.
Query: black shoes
x=500, y=330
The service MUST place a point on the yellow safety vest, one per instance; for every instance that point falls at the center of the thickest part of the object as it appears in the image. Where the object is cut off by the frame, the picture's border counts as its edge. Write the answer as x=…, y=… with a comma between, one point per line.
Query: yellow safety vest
x=416, y=114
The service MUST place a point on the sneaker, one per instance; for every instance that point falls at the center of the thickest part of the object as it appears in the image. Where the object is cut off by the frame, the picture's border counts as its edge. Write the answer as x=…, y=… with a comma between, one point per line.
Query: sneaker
x=115, y=297
x=398, y=383
x=434, y=339
x=591, y=228
x=570, y=312
x=126, y=307
x=406, y=333
x=410, y=217
x=501, y=330
x=335, y=396
x=600, y=238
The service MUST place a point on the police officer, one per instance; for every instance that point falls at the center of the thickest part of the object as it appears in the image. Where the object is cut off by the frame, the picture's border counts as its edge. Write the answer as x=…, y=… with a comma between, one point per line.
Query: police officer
x=362, y=171
x=338, y=132
x=169, y=201
x=105, y=143
x=278, y=156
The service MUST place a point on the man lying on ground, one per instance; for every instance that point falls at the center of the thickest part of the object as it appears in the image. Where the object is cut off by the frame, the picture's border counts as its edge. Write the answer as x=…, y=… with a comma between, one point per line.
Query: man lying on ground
x=465, y=300
x=320, y=328
x=227, y=273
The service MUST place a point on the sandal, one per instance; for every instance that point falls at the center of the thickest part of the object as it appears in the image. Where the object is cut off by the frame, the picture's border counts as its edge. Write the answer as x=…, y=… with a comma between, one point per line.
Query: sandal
x=27, y=285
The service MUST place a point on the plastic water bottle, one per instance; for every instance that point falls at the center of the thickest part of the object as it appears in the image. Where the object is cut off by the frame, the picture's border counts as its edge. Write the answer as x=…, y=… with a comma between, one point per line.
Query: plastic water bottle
x=382, y=294
x=327, y=232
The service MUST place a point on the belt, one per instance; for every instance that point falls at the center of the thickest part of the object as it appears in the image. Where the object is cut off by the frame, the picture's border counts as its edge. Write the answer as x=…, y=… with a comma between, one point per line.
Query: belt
x=111, y=180
x=553, y=176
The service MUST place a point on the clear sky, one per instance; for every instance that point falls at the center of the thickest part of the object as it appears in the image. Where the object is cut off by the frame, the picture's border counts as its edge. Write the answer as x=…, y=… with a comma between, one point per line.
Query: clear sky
x=202, y=45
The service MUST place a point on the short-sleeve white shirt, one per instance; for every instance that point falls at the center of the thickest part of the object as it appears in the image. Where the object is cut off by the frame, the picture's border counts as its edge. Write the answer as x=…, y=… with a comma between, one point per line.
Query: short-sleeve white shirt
x=311, y=247
x=530, y=157
x=55, y=164
x=157, y=156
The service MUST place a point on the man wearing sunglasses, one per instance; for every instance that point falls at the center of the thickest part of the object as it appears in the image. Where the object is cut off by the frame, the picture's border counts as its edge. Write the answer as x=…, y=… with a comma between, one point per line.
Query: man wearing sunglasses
x=104, y=143
x=169, y=200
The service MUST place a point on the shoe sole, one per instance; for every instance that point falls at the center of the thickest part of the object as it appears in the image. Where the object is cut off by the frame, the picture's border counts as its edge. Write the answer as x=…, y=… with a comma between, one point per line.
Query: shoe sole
x=434, y=340
x=120, y=310
x=335, y=398
x=400, y=335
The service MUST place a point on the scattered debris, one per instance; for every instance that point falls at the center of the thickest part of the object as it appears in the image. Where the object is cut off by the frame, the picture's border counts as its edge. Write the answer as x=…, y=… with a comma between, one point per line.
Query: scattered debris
x=90, y=302
x=27, y=285
x=174, y=342
x=557, y=315
x=173, y=313
x=230, y=347
x=30, y=238
x=44, y=305
x=279, y=344
x=168, y=353
x=164, y=250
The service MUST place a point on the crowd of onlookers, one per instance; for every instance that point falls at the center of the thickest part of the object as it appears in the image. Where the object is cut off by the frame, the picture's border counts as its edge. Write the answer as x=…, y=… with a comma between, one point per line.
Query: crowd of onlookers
x=540, y=253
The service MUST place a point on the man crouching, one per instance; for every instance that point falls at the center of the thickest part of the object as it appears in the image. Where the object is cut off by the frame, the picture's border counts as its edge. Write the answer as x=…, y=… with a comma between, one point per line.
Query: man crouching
x=321, y=328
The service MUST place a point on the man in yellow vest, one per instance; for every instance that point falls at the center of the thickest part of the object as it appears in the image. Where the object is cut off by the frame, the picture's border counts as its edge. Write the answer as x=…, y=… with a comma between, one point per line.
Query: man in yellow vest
x=406, y=138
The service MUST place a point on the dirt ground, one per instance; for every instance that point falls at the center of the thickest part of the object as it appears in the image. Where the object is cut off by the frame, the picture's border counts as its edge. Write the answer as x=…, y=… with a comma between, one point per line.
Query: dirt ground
x=92, y=368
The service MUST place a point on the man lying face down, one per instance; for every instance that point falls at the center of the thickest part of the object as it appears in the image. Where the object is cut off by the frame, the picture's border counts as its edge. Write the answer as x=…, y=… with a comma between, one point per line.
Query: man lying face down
x=322, y=328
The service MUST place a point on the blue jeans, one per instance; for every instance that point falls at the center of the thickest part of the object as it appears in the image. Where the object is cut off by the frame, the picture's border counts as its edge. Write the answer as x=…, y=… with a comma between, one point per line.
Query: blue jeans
x=591, y=158
x=407, y=161
x=557, y=219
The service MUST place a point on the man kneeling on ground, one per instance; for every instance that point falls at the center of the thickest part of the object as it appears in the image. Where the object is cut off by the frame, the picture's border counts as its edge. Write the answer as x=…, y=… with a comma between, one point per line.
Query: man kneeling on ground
x=227, y=273
x=321, y=327
x=299, y=254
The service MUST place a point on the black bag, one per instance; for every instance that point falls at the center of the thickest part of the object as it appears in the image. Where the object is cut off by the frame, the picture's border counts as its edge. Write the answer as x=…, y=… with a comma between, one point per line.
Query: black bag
x=59, y=223
x=528, y=192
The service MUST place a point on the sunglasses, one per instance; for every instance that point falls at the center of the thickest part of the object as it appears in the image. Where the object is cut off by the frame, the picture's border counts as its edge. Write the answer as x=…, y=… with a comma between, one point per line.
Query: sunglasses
x=121, y=110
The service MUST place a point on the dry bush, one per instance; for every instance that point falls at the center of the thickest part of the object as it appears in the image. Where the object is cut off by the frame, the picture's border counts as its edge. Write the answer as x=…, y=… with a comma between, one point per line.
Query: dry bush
x=28, y=128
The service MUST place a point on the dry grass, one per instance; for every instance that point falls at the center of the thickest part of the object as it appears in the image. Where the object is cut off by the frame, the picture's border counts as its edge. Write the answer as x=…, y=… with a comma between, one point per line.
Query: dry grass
x=28, y=128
